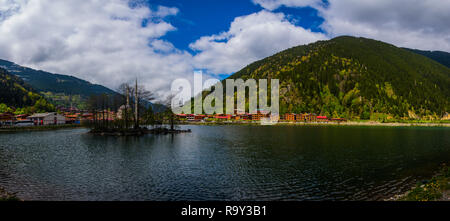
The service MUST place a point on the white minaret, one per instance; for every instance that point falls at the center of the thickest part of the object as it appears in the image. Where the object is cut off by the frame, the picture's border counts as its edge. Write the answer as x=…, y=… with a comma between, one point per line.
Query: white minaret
x=136, y=105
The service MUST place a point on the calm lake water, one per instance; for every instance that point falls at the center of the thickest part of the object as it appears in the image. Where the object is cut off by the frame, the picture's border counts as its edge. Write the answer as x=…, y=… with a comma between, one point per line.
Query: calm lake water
x=222, y=163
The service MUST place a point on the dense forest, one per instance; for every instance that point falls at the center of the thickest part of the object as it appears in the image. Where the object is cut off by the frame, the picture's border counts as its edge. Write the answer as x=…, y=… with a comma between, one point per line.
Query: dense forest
x=18, y=97
x=438, y=56
x=356, y=78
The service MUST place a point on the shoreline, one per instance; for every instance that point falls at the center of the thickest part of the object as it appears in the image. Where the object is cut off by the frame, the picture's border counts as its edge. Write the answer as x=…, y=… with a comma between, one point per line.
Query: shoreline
x=242, y=123
x=437, y=188
x=349, y=123
x=39, y=128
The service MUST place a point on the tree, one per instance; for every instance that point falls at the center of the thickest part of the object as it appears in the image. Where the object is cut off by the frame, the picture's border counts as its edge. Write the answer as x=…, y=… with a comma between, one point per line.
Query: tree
x=127, y=101
x=4, y=108
x=168, y=113
x=42, y=106
x=141, y=99
x=365, y=114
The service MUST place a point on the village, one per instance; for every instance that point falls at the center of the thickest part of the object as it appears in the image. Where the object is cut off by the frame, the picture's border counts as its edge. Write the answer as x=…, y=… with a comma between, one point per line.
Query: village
x=62, y=117
x=75, y=116
x=256, y=117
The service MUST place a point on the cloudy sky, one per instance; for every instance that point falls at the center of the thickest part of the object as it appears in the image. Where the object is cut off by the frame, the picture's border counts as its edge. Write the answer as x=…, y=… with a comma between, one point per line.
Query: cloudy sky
x=113, y=41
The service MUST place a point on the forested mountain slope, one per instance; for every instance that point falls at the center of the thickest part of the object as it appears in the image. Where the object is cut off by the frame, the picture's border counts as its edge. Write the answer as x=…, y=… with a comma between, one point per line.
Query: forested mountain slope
x=355, y=78
x=17, y=96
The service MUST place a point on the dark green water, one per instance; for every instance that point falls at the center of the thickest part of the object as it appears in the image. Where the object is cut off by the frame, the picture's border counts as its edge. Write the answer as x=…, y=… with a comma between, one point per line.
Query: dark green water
x=223, y=163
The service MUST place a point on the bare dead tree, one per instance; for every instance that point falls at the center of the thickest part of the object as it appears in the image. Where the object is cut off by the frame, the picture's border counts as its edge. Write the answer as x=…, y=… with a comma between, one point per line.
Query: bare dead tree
x=168, y=113
x=139, y=97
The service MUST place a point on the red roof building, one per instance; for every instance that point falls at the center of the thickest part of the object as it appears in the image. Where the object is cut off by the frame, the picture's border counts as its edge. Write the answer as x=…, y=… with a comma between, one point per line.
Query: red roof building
x=200, y=117
x=322, y=118
x=223, y=116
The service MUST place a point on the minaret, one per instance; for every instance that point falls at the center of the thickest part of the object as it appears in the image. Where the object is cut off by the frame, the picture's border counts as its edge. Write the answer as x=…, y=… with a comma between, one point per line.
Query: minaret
x=128, y=96
x=136, y=105
x=127, y=105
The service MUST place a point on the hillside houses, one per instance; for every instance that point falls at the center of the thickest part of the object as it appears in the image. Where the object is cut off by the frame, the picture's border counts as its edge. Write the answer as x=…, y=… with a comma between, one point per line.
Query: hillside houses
x=258, y=116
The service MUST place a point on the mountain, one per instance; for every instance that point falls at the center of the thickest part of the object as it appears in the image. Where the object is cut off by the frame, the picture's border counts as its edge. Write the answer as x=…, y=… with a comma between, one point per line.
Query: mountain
x=438, y=56
x=16, y=94
x=60, y=89
x=55, y=83
x=356, y=78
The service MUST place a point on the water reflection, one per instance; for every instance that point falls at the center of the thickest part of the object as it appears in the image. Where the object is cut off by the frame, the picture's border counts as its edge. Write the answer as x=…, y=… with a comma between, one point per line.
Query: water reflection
x=222, y=163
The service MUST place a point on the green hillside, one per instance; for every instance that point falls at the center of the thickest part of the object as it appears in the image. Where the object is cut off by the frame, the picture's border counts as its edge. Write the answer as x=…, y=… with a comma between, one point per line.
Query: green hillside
x=18, y=97
x=59, y=89
x=356, y=78
x=439, y=56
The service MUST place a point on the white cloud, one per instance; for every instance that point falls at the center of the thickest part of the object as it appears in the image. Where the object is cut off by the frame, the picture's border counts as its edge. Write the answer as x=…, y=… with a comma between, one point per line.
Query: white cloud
x=100, y=41
x=249, y=38
x=421, y=24
x=408, y=23
x=103, y=41
x=274, y=4
x=166, y=11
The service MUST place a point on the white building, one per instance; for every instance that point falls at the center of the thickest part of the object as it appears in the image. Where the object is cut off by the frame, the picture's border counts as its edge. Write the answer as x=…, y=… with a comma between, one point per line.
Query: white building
x=121, y=111
x=47, y=119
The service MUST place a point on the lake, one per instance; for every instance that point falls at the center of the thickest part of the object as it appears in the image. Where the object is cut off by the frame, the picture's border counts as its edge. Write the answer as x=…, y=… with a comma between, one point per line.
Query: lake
x=223, y=163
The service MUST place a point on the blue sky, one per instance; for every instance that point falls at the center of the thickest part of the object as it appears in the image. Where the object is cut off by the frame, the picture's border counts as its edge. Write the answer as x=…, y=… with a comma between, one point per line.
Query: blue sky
x=198, y=18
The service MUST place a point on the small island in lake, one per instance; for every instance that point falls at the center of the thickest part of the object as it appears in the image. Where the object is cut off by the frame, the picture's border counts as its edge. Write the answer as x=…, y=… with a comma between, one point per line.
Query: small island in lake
x=135, y=115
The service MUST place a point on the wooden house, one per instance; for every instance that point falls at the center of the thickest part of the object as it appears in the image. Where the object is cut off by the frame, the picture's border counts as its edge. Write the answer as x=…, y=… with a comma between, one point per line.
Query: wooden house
x=223, y=116
x=199, y=117
x=7, y=119
x=290, y=117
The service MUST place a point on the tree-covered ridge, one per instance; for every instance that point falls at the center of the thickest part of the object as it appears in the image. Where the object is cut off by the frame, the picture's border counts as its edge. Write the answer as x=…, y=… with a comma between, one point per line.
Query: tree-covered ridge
x=55, y=83
x=18, y=97
x=438, y=56
x=59, y=89
x=355, y=77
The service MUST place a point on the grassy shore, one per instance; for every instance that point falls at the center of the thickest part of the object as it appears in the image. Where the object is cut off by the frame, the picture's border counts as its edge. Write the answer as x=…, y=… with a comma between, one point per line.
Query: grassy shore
x=348, y=123
x=435, y=189
x=39, y=128
x=5, y=196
